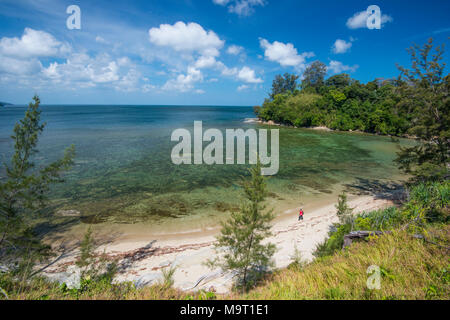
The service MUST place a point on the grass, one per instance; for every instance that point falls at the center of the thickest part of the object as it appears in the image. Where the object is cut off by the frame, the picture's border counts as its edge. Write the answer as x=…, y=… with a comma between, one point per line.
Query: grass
x=410, y=268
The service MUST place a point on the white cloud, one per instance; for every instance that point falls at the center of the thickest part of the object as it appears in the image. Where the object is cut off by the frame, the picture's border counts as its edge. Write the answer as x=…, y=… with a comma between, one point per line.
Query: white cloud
x=235, y=50
x=338, y=67
x=241, y=7
x=148, y=87
x=284, y=53
x=101, y=40
x=128, y=82
x=248, y=75
x=341, y=46
x=242, y=87
x=33, y=43
x=81, y=67
x=205, y=62
x=189, y=37
x=359, y=20
x=38, y=60
x=19, y=67
x=228, y=71
x=184, y=82
x=81, y=70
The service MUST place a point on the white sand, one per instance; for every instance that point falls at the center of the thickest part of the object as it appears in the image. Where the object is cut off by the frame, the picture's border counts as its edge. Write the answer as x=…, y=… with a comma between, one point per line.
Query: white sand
x=144, y=258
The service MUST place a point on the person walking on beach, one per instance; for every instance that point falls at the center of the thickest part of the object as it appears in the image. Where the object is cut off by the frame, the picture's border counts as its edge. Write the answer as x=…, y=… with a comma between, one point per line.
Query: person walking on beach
x=300, y=215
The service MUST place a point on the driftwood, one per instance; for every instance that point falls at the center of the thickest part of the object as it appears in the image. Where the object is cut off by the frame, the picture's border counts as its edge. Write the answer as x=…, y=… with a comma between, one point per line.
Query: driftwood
x=348, y=238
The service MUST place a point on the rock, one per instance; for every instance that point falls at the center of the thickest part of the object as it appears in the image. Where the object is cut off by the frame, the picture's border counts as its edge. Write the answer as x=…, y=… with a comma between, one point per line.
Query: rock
x=68, y=213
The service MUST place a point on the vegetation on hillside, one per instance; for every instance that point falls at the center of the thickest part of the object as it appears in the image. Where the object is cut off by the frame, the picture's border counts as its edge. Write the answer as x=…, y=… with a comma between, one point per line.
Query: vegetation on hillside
x=416, y=104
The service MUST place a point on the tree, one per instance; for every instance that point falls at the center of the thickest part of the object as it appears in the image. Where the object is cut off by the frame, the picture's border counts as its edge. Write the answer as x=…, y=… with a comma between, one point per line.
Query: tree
x=344, y=212
x=23, y=194
x=283, y=84
x=314, y=75
x=242, y=235
x=424, y=93
x=339, y=80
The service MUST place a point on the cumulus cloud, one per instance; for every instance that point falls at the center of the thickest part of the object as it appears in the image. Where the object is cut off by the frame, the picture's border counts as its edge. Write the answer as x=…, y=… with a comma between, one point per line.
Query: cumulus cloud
x=248, y=75
x=338, y=67
x=184, y=82
x=284, y=53
x=189, y=37
x=359, y=20
x=241, y=7
x=19, y=67
x=235, y=50
x=38, y=59
x=32, y=44
x=82, y=70
x=196, y=46
x=205, y=62
x=341, y=46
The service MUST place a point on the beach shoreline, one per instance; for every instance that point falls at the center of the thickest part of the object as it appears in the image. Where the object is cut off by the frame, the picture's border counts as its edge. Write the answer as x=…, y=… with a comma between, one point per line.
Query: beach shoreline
x=141, y=258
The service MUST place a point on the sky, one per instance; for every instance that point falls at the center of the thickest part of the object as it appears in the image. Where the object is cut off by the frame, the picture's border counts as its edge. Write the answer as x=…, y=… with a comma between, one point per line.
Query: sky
x=199, y=52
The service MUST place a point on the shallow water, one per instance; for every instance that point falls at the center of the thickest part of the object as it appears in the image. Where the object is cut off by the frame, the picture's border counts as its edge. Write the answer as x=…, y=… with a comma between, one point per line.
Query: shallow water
x=123, y=171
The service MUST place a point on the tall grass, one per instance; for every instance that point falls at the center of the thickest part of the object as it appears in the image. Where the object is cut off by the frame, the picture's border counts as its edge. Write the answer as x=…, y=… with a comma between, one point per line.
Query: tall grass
x=410, y=269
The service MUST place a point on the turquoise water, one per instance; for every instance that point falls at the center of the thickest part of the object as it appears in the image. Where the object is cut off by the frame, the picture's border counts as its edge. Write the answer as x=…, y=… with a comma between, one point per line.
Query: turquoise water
x=123, y=171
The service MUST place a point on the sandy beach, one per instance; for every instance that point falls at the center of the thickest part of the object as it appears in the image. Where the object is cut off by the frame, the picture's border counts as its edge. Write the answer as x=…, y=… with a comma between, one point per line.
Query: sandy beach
x=141, y=259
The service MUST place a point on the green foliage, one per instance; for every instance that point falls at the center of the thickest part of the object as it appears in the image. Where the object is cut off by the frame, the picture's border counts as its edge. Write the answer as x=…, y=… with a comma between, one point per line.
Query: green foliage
x=428, y=203
x=385, y=219
x=425, y=95
x=94, y=268
x=23, y=195
x=242, y=235
x=314, y=75
x=334, y=242
x=87, y=255
x=344, y=212
x=168, y=274
x=284, y=84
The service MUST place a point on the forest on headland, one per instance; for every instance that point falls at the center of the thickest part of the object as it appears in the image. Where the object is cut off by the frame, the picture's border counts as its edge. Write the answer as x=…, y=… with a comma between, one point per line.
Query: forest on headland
x=397, y=106
x=416, y=104
x=407, y=244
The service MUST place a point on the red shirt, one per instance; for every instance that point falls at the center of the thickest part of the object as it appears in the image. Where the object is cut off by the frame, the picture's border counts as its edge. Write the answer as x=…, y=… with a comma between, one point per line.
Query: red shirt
x=300, y=213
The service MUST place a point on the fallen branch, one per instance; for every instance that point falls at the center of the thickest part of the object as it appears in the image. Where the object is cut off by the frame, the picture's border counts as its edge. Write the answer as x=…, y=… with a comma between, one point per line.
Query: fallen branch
x=348, y=238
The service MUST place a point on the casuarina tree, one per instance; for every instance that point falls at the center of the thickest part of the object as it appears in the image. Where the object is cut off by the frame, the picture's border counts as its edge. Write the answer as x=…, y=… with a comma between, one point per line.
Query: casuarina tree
x=240, y=243
x=23, y=194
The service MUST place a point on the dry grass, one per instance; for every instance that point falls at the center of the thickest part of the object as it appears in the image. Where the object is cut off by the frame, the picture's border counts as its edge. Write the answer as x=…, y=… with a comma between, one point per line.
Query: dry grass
x=410, y=269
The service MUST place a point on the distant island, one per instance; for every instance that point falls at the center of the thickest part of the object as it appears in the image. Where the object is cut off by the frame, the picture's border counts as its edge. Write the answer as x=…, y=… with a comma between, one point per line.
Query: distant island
x=5, y=104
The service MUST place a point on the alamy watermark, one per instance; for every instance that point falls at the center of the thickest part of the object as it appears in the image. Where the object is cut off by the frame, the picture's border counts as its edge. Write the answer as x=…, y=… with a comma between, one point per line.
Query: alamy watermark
x=190, y=150
x=374, y=279
x=373, y=17
x=74, y=20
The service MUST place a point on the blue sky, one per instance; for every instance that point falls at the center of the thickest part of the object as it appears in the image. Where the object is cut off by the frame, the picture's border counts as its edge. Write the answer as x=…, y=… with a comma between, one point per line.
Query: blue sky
x=217, y=52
